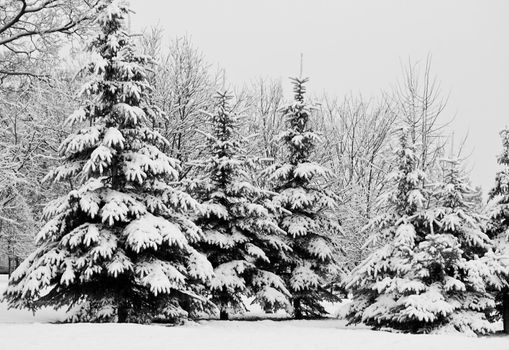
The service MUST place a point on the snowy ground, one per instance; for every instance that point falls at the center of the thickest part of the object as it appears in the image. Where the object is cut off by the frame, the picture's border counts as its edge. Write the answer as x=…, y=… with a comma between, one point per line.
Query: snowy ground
x=24, y=331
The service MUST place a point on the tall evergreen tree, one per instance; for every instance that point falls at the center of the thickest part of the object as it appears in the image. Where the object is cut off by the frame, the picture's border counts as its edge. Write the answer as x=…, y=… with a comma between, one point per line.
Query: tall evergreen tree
x=499, y=220
x=308, y=215
x=242, y=239
x=436, y=264
x=117, y=247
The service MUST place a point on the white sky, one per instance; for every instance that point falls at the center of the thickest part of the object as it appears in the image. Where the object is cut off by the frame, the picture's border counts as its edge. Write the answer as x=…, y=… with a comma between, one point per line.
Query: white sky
x=358, y=46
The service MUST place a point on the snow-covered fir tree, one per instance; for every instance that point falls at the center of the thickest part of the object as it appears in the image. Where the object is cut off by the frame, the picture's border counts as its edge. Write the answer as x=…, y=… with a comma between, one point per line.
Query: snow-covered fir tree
x=397, y=231
x=435, y=265
x=242, y=239
x=498, y=226
x=117, y=246
x=457, y=258
x=307, y=214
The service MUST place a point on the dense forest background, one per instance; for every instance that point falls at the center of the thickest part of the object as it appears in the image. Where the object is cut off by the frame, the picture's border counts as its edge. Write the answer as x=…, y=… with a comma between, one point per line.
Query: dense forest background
x=358, y=134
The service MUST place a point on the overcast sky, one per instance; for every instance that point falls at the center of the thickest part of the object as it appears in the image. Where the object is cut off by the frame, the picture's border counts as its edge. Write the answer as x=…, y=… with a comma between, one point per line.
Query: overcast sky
x=359, y=46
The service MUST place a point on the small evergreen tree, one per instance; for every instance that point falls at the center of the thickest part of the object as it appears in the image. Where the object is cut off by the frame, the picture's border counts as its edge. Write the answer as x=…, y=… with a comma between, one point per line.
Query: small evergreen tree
x=242, y=239
x=456, y=261
x=436, y=266
x=117, y=247
x=308, y=215
x=499, y=221
x=373, y=283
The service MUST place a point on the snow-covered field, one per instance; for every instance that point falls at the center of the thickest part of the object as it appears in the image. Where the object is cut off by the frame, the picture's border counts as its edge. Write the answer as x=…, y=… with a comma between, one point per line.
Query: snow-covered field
x=24, y=331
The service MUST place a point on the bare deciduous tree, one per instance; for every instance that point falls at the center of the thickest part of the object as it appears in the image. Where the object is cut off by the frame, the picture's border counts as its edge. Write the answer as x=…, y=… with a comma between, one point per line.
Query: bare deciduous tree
x=419, y=104
x=32, y=114
x=263, y=101
x=357, y=136
x=183, y=88
x=29, y=28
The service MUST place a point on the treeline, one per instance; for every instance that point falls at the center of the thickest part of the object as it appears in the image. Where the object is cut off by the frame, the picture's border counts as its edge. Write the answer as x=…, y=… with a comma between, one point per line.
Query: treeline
x=171, y=200
x=357, y=135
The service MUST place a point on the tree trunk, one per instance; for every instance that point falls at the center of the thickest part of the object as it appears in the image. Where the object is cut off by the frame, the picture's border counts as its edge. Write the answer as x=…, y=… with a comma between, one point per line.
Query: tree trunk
x=505, y=311
x=122, y=313
x=223, y=315
x=297, y=309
